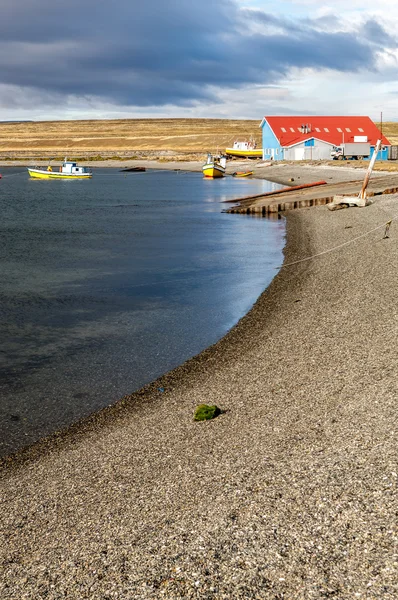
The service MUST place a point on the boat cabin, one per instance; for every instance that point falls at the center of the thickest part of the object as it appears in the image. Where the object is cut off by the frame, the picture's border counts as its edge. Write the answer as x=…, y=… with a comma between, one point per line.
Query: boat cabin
x=248, y=145
x=72, y=168
x=216, y=159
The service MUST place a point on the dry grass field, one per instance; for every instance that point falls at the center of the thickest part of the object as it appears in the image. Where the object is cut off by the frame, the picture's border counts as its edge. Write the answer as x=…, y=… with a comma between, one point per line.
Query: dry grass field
x=390, y=130
x=177, y=139
x=123, y=137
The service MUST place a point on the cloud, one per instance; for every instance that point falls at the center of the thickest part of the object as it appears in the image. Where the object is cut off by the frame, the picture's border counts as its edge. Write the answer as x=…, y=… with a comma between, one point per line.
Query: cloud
x=158, y=53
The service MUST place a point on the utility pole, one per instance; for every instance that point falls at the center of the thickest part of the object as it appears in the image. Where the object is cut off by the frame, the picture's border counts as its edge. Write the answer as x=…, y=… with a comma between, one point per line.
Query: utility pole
x=381, y=123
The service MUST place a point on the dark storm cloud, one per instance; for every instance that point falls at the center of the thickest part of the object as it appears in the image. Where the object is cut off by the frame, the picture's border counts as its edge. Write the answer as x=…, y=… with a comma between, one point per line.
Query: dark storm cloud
x=157, y=52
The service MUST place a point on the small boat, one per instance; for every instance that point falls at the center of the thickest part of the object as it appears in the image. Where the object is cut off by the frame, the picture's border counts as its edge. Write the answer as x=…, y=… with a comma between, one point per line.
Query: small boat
x=214, y=166
x=242, y=173
x=68, y=170
x=245, y=149
x=133, y=170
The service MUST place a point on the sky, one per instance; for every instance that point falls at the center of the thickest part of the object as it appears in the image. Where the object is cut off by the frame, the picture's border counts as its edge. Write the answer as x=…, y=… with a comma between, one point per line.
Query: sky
x=209, y=59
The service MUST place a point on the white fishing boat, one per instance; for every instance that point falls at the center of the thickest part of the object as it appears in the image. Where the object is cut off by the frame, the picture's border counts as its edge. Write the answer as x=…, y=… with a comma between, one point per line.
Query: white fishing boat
x=214, y=166
x=246, y=149
x=68, y=170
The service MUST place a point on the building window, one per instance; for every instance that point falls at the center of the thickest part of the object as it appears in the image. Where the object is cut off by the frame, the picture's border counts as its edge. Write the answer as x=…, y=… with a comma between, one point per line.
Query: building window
x=317, y=129
x=339, y=130
x=326, y=129
x=283, y=129
x=292, y=130
x=348, y=130
x=360, y=129
x=277, y=151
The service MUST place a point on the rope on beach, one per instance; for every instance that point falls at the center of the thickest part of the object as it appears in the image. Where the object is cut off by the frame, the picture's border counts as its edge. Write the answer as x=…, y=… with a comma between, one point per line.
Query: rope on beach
x=385, y=224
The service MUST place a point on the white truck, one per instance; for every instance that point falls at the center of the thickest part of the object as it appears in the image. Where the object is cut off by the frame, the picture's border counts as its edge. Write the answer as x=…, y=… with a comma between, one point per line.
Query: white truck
x=355, y=150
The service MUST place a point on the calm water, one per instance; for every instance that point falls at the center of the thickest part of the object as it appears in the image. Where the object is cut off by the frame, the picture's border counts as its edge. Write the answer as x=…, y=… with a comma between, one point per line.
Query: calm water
x=106, y=284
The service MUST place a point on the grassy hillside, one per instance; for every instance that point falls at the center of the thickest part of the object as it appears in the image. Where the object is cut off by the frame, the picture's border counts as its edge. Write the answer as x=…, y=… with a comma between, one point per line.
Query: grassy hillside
x=390, y=130
x=124, y=137
x=131, y=137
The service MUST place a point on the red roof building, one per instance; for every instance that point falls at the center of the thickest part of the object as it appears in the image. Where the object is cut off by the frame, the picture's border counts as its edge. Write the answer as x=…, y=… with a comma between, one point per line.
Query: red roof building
x=314, y=137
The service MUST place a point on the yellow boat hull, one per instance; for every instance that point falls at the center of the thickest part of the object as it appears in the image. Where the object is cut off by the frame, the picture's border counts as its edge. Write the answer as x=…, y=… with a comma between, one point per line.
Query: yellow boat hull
x=258, y=153
x=213, y=171
x=248, y=174
x=37, y=174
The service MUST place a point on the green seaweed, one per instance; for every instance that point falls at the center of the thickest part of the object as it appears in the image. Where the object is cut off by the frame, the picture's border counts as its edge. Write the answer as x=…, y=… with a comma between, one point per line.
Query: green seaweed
x=205, y=412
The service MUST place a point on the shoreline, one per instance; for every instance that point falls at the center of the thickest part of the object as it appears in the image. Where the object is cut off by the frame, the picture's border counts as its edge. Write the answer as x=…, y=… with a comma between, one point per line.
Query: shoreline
x=286, y=173
x=22, y=439
x=279, y=496
x=150, y=391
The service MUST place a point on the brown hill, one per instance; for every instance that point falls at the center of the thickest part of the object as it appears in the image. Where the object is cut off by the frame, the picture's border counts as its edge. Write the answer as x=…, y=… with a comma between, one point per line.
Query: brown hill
x=129, y=138
x=390, y=130
x=123, y=137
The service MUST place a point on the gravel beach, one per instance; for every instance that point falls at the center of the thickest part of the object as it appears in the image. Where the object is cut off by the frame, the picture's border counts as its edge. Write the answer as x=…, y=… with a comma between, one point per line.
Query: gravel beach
x=291, y=493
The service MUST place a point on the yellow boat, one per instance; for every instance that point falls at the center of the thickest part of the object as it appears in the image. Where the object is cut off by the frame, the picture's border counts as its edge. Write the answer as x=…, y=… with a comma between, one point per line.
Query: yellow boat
x=214, y=166
x=68, y=170
x=242, y=173
x=245, y=150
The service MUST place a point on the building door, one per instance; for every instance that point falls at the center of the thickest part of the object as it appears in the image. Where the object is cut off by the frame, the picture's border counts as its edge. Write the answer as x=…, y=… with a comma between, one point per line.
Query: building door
x=299, y=153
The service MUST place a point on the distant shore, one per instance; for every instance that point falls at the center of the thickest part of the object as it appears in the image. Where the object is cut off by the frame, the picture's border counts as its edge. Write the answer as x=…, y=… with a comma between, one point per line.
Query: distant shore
x=291, y=492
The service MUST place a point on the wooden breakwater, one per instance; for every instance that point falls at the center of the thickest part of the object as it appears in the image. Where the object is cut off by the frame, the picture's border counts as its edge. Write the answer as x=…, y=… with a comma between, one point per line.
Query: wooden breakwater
x=282, y=201
x=277, y=207
x=281, y=191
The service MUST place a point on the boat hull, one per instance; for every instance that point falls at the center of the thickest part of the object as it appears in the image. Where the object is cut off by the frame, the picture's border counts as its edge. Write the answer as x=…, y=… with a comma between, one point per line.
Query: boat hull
x=213, y=171
x=244, y=153
x=42, y=174
x=243, y=174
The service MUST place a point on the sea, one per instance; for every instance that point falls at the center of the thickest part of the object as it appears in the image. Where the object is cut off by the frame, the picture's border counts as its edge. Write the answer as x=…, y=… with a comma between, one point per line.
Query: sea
x=109, y=283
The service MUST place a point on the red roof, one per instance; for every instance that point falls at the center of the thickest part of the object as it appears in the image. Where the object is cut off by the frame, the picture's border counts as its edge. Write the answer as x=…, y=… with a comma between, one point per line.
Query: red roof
x=334, y=130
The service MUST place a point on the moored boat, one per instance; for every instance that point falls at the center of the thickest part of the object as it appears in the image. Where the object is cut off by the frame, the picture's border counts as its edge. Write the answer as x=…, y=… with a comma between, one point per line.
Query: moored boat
x=68, y=170
x=214, y=166
x=242, y=173
x=133, y=170
x=245, y=149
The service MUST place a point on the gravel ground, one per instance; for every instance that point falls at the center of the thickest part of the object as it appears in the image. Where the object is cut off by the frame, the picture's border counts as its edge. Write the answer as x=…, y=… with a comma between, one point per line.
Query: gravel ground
x=306, y=173
x=290, y=494
x=301, y=173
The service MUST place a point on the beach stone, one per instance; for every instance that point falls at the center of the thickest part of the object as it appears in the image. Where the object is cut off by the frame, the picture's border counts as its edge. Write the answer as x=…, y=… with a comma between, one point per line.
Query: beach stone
x=205, y=412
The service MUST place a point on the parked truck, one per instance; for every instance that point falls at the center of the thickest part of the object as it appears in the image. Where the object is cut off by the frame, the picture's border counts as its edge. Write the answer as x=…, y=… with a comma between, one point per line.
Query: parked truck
x=355, y=150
